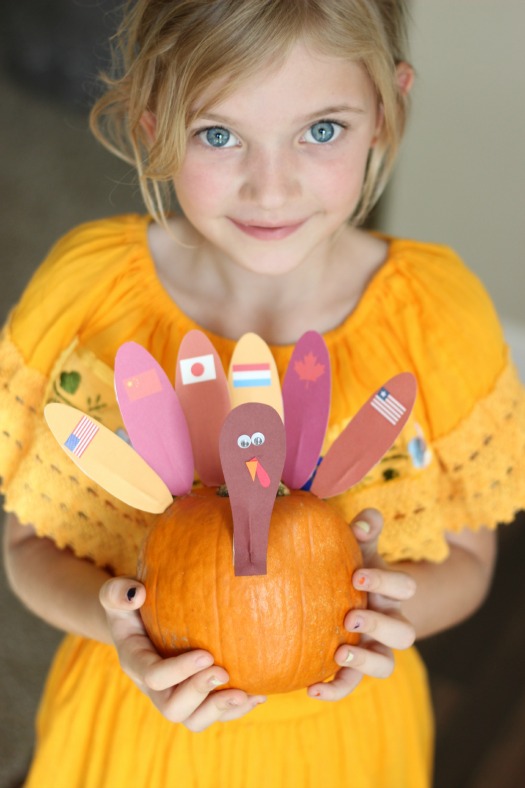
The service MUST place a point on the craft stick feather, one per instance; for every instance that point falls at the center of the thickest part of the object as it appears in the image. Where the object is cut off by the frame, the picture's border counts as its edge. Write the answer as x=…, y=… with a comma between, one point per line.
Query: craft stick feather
x=253, y=375
x=202, y=388
x=367, y=437
x=153, y=417
x=107, y=459
x=306, y=399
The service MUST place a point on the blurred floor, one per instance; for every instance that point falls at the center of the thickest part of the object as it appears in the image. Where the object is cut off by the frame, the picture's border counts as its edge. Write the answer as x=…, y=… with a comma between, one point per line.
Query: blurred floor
x=53, y=176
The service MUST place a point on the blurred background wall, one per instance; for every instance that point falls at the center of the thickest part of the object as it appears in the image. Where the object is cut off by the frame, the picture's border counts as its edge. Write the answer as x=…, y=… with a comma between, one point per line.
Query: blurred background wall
x=459, y=182
x=461, y=175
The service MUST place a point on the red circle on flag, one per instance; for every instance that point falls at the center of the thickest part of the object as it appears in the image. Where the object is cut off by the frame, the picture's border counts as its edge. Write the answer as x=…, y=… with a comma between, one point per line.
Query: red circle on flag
x=197, y=369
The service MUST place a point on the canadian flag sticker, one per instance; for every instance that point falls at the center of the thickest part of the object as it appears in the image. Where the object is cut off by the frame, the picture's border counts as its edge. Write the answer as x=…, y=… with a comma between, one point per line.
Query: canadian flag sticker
x=197, y=369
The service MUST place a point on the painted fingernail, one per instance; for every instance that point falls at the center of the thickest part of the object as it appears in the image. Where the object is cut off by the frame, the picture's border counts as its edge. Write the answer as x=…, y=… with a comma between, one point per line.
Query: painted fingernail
x=215, y=682
x=362, y=579
x=358, y=623
x=349, y=657
x=131, y=593
x=363, y=526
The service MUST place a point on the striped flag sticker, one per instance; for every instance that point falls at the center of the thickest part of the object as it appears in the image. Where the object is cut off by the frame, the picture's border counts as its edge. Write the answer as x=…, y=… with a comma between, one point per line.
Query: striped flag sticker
x=78, y=441
x=388, y=406
x=251, y=375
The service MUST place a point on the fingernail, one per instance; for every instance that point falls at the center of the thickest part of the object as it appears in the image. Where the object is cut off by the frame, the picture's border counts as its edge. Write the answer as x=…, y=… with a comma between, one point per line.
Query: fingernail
x=215, y=682
x=363, y=526
x=204, y=661
x=358, y=623
x=349, y=657
x=131, y=593
x=234, y=702
x=362, y=580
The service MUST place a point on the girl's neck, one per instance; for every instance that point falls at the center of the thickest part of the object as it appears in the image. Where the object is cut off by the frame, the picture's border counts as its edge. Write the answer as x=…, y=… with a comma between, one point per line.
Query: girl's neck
x=229, y=300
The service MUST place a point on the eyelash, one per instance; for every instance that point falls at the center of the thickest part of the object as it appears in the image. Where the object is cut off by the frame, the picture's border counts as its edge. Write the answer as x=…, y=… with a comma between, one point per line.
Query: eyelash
x=337, y=123
x=340, y=127
x=198, y=134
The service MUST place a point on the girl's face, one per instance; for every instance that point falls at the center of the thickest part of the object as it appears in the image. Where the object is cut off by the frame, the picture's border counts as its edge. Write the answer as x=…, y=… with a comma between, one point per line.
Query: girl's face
x=272, y=172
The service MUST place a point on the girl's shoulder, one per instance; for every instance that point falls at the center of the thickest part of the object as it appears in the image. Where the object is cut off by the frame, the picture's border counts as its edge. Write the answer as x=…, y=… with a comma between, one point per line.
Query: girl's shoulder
x=78, y=274
x=91, y=248
x=423, y=296
x=431, y=277
x=425, y=312
x=427, y=296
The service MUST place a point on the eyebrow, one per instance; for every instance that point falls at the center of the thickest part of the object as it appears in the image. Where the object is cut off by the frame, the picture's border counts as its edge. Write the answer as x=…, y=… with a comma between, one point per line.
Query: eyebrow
x=333, y=110
x=322, y=113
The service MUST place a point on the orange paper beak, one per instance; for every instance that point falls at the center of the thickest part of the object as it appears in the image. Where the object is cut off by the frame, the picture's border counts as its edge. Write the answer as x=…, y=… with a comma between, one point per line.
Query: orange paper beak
x=257, y=471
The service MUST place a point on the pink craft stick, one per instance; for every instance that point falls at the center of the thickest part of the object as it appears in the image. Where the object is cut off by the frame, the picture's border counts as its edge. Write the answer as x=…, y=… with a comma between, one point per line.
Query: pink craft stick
x=306, y=397
x=202, y=388
x=153, y=417
x=367, y=438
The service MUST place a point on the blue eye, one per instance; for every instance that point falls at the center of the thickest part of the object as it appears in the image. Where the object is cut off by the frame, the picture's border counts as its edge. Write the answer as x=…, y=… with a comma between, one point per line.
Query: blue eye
x=217, y=137
x=324, y=131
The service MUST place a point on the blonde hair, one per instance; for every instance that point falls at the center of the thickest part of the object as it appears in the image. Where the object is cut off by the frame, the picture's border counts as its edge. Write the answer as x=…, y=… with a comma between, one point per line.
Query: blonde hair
x=170, y=52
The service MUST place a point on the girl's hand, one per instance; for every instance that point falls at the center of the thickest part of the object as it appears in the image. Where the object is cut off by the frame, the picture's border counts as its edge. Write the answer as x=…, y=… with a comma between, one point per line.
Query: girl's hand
x=180, y=687
x=381, y=625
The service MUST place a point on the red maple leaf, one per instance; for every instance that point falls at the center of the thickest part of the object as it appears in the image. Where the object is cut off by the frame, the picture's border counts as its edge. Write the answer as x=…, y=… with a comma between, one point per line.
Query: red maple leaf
x=308, y=369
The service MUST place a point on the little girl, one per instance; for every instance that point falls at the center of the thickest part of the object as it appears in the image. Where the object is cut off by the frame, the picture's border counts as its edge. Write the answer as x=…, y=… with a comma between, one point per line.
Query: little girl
x=275, y=124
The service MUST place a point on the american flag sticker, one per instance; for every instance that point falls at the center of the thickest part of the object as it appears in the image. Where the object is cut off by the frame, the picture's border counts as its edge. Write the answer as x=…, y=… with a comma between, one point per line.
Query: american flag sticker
x=143, y=385
x=198, y=369
x=81, y=436
x=251, y=375
x=388, y=406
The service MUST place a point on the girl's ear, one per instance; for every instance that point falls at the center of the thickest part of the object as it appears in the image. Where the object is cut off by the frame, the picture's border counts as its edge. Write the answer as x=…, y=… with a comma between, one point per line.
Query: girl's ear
x=148, y=122
x=405, y=78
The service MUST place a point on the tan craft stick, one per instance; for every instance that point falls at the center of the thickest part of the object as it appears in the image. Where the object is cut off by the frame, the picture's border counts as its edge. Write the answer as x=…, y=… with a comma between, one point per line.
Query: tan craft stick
x=107, y=459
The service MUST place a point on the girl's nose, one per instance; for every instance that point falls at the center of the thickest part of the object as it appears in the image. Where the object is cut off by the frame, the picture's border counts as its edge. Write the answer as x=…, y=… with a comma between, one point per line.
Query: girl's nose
x=270, y=179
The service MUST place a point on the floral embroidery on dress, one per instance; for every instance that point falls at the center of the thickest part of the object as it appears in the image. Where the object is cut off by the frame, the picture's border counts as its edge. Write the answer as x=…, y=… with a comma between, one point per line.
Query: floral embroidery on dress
x=83, y=381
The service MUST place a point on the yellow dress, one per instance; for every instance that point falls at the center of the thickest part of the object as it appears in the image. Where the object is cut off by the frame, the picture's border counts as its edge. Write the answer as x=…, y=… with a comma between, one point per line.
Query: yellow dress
x=458, y=463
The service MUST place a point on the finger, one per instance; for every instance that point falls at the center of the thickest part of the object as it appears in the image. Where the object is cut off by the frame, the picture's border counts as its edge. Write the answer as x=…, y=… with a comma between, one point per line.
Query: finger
x=166, y=673
x=198, y=712
x=395, y=585
x=122, y=594
x=367, y=527
x=222, y=707
x=344, y=682
x=121, y=608
x=377, y=661
x=392, y=630
x=235, y=712
x=136, y=653
x=183, y=700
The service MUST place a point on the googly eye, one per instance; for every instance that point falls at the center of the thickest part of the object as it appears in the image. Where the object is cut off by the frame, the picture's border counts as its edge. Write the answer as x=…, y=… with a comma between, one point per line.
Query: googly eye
x=243, y=441
x=257, y=439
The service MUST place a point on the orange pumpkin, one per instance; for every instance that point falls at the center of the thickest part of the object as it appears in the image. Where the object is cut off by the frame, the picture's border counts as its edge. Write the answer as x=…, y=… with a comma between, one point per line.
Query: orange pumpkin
x=273, y=633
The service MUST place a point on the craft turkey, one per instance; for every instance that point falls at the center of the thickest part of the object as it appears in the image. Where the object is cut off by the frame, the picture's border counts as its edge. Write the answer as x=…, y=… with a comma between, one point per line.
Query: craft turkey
x=255, y=572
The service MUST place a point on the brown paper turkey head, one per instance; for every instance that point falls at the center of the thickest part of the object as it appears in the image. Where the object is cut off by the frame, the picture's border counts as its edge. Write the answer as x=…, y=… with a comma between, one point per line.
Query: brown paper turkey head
x=252, y=448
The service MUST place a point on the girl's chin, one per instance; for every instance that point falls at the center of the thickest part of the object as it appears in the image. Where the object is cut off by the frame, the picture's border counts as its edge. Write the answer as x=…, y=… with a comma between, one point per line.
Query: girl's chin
x=269, y=264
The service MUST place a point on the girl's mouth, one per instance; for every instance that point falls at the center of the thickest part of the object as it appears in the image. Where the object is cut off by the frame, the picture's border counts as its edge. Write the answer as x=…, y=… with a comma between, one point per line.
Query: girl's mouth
x=267, y=232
